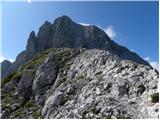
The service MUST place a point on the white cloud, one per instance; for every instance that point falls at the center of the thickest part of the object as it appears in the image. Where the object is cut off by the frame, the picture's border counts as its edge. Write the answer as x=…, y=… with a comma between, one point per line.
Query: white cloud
x=1, y=58
x=154, y=64
x=110, y=31
x=11, y=60
x=84, y=24
x=4, y=58
x=29, y=1
x=147, y=59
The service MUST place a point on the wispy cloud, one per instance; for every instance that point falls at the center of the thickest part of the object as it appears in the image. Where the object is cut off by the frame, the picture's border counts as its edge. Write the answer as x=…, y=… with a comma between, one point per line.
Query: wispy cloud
x=110, y=31
x=147, y=59
x=84, y=24
x=154, y=64
x=4, y=58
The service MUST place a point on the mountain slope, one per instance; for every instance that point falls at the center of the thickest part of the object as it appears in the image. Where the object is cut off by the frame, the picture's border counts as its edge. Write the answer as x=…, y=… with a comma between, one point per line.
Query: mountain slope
x=73, y=71
x=81, y=83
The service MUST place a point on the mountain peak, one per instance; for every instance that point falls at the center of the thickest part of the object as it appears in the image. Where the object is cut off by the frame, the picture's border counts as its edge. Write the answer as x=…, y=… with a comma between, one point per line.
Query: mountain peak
x=63, y=19
x=65, y=33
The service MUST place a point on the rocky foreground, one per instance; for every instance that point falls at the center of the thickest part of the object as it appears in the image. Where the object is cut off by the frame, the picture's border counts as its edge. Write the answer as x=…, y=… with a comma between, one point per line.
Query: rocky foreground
x=80, y=83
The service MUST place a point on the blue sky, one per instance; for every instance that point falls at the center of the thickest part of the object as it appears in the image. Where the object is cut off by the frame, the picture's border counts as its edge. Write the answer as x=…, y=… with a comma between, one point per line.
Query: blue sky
x=131, y=24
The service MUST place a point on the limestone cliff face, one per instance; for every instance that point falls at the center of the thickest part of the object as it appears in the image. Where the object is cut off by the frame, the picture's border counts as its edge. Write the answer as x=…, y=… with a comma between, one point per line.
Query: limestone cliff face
x=74, y=71
x=66, y=33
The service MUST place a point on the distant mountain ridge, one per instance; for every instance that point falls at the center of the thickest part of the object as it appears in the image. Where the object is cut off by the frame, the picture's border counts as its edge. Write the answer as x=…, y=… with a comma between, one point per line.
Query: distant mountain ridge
x=64, y=33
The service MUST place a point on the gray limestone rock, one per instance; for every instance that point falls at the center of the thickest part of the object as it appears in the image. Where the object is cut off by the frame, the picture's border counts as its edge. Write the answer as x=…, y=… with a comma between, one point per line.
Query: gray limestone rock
x=108, y=94
x=20, y=60
x=25, y=84
x=44, y=78
x=4, y=67
x=31, y=48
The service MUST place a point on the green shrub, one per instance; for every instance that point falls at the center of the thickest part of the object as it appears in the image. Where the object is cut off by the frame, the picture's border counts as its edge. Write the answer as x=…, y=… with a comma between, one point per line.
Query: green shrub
x=155, y=98
x=141, y=89
x=29, y=104
x=17, y=76
x=35, y=114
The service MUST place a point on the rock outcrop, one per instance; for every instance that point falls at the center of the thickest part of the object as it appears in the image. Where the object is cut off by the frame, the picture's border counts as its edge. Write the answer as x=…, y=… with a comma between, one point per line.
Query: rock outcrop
x=4, y=67
x=74, y=71
x=45, y=77
x=20, y=60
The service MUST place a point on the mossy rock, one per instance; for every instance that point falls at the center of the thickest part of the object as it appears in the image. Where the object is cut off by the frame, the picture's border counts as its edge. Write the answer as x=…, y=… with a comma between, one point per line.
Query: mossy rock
x=155, y=98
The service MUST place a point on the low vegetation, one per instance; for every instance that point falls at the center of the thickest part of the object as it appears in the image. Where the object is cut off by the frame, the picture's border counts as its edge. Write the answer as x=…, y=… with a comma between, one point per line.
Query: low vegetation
x=141, y=89
x=155, y=98
x=36, y=61
x=29, y=104
x=14, y=75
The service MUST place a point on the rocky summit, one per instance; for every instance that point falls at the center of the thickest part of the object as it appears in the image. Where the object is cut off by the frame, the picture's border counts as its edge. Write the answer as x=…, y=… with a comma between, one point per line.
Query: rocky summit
x=74, y=71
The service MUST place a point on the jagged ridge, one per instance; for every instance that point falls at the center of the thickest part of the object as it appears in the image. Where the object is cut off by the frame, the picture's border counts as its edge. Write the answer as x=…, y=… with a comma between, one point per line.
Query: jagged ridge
x=66, y=33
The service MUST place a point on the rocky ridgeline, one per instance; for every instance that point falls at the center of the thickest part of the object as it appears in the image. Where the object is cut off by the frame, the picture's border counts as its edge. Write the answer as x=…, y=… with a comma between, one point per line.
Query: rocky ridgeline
x=84, y=74
x=80, y=83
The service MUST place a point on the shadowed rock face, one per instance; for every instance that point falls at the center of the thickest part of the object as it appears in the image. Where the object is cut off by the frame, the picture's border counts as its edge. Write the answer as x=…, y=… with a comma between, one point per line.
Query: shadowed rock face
x=20, y=60
x=64, y=33
x=4, y=67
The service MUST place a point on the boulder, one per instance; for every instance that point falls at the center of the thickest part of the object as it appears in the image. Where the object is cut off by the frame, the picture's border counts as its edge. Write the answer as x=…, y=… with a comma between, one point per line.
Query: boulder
x=25, y=84
x=45, y=77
